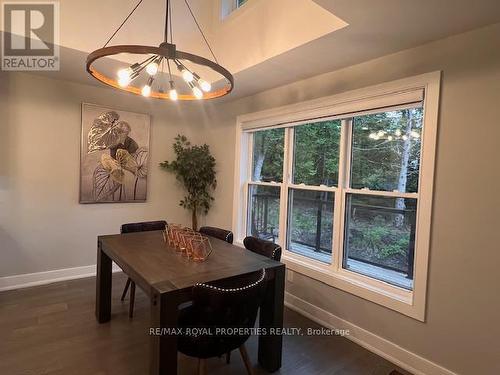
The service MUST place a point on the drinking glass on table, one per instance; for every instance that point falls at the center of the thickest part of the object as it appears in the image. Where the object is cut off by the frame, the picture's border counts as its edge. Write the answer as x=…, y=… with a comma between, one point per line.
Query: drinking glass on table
x=184, y=236
x=201, y=248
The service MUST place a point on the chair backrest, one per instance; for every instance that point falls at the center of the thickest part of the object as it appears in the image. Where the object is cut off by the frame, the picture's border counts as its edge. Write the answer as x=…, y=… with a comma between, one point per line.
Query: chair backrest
x=263, y=247
x=145, y=226
x=229, y=303
x=221, y=234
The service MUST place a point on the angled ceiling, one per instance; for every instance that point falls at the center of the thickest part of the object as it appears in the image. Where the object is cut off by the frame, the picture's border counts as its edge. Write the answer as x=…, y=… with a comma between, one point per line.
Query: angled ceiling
x=268, y=43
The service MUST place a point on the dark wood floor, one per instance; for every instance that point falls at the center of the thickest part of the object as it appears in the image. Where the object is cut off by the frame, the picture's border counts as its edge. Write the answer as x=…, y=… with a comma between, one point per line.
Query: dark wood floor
x=52, y=330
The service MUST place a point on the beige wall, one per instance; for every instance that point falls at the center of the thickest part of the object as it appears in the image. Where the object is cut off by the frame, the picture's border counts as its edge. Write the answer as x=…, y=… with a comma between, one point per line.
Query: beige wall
x=42, y=225
x=462, y=329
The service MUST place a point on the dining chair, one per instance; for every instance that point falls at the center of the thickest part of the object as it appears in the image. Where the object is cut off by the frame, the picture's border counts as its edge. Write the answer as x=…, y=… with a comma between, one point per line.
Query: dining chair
x=266, y=248
x=221, y=234
x=217, y=308
x=144, y=226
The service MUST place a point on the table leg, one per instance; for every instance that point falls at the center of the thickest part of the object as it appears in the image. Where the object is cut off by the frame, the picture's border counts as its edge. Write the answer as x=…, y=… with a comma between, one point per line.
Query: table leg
x=164, y=313
x=103, y=286
x=271, y=316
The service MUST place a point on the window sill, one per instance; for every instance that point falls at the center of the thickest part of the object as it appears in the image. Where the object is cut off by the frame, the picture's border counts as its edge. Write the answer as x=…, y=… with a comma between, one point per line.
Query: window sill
x=389, y=296
x=394, y=298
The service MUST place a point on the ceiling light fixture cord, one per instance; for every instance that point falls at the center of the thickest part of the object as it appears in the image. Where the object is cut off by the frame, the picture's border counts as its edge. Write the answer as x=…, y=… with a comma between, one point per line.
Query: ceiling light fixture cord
x=169, y=71
x=162, y=71
x=201, y=31
x=167, y=15
x=170, y=20
x=123, y=23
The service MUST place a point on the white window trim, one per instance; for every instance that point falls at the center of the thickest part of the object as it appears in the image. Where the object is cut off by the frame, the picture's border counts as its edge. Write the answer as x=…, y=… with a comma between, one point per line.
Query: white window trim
x=410, y=303
x=228, y=9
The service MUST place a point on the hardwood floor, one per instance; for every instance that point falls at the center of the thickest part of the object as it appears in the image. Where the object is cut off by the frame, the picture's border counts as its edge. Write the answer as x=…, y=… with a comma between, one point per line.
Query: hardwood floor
x=51, y=330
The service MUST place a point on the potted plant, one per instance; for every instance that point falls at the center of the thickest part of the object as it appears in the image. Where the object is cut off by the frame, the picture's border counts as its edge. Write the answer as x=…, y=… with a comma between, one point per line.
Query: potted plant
x=194, y=168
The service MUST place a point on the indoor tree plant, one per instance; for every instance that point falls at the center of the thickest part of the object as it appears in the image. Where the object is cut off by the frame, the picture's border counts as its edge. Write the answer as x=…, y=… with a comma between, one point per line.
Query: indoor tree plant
x=194, y=168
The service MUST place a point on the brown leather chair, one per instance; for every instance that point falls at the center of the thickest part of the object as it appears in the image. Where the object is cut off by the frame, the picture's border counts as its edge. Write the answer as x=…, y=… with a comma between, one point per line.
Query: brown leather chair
x=266, y=248
x=221, y=234
x=144, y=226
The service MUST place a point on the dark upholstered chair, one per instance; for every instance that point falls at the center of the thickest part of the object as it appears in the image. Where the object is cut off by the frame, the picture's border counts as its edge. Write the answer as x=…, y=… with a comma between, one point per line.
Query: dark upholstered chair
x=224, y=304
x=143, y=227
x=266, y=248
x=131, y=228
x=221, y=234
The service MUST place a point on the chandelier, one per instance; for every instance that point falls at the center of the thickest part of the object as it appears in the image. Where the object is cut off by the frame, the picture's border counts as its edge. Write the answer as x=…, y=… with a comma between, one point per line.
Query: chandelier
x=154, y=67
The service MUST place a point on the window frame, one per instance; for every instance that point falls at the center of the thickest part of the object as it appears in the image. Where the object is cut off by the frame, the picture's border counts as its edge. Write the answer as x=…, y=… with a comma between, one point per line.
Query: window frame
x=407, y=302
x=228, y=7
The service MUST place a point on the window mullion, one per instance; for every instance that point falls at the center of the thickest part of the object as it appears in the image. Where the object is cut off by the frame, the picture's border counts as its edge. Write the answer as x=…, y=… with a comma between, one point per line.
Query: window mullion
x=250, y=156
x=344, y=176
x=287, y=172
x=246, y=188
x=382, y=193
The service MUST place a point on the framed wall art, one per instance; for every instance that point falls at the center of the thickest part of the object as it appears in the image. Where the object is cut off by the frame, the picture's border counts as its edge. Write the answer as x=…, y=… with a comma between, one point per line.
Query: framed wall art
x=114, y=155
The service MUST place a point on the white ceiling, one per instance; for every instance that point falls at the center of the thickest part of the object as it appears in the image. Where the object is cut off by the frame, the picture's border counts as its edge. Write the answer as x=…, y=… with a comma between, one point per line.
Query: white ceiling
x=268, y=43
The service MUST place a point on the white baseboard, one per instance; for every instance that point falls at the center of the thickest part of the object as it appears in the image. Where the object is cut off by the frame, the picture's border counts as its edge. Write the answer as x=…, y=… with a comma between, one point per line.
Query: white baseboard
x=47, y=277
x=401, y=357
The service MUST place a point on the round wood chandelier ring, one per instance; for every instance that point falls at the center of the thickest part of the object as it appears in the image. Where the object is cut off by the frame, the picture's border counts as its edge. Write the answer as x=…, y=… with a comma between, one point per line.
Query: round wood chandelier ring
x=167, y=51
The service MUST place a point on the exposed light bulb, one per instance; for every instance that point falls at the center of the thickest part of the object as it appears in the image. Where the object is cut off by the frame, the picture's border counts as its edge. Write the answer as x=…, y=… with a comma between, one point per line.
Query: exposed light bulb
x=125, y=73
x=173, y=95
x=397, y=132
x=146, y=91
x=124, y=80
x=404, y=137
x=372, y=136
x=187, y=75
x=197, y=92
x=128, y=72
x=205, y=86
x=152, y=68
x=173, y=92
x=125, y=76
x=389, y=138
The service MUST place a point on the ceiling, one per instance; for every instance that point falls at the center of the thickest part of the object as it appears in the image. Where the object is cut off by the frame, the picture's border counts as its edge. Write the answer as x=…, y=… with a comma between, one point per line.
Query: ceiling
x=268, y=43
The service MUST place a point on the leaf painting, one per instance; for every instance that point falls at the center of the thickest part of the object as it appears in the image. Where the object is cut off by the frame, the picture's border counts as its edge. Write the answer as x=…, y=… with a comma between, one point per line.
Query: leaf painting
x=105, y=132
x=104, y=184
x=114, y=159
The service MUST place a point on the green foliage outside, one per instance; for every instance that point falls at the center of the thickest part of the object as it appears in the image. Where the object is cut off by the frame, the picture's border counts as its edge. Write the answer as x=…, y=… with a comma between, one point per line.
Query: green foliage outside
x=316, y=158
x=268, y=150
x=378, y=240
x=377, y=163
x=385, y=156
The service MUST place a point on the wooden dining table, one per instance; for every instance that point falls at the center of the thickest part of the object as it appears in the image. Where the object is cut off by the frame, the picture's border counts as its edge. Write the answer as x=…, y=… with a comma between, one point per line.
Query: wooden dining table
x=168, y=278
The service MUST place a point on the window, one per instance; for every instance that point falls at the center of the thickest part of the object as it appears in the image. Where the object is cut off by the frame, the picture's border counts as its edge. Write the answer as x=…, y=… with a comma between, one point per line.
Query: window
x=229, y=6
x=380, y=230
x=345, y=187
x=311, y=192
x=310, y=223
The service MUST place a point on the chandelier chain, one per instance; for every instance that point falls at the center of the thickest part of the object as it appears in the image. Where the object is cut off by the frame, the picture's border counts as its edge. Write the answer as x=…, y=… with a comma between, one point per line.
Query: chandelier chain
x=123, y=23
x=201, y=31
x=170, y=20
